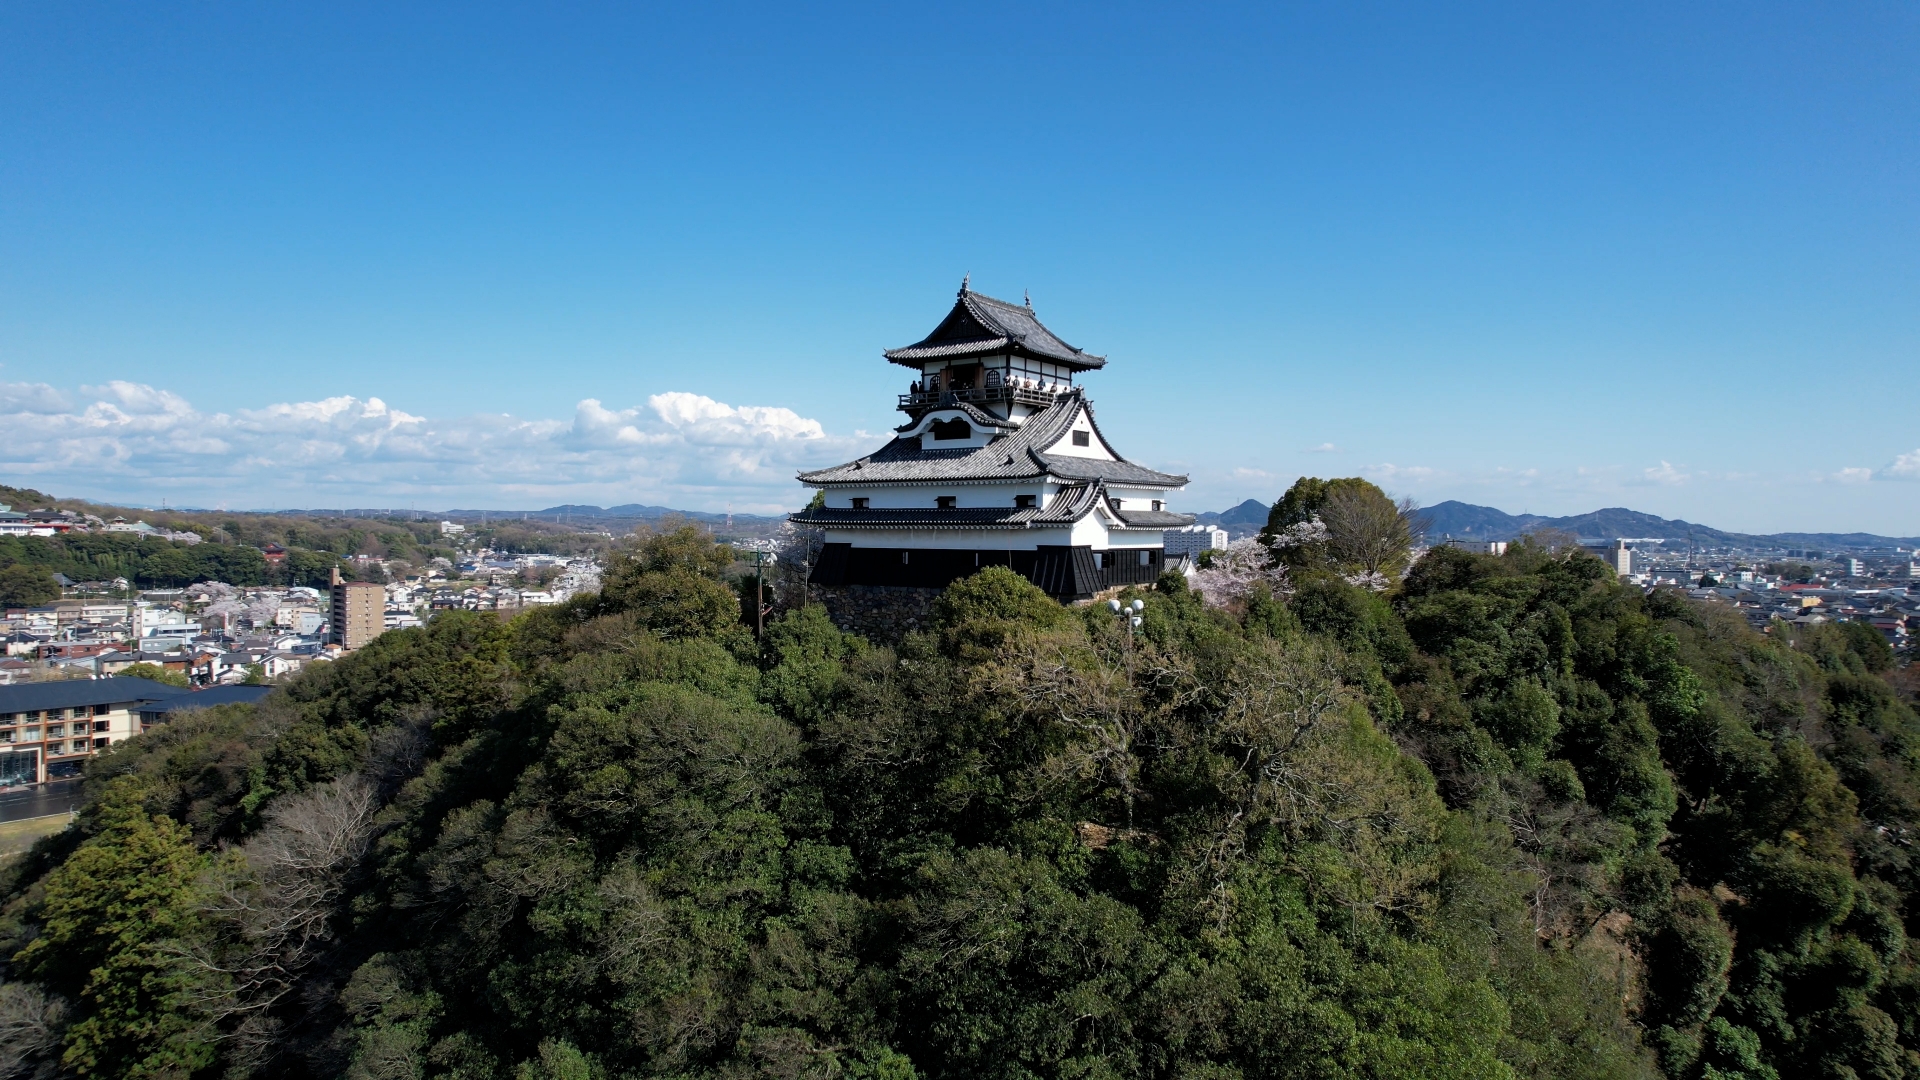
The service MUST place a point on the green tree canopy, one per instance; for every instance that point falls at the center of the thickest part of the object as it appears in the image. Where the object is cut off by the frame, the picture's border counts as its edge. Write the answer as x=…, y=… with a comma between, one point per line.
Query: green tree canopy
x=1510, y=818
x=155, y=672
x=25, y=585
x=1343, y=526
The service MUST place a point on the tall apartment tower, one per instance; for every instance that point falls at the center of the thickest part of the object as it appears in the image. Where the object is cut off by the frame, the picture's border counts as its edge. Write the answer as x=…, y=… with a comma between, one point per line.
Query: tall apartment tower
x=359, y=612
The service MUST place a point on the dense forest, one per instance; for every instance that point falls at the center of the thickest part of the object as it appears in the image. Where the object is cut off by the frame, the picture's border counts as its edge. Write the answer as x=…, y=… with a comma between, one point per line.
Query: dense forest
x=1500, y=816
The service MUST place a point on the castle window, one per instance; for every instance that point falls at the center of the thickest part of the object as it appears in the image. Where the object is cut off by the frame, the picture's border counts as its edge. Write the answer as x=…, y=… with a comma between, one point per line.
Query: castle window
x=1025, y=501
x=859, y=502
x=1158, y=505
x=944, y=502
x=951, y=429
x=1080, y=438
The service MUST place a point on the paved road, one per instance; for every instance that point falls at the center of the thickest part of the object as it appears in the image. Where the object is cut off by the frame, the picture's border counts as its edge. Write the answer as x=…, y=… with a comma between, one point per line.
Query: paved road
x=57, y=797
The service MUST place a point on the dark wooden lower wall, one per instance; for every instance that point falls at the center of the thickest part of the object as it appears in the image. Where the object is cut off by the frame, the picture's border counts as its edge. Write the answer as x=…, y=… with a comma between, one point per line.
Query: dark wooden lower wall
x=1066, y=573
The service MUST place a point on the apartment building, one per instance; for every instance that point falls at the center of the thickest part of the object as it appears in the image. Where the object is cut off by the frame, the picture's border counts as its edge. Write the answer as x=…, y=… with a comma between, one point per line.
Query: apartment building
x=358, y=612
x=48, y=730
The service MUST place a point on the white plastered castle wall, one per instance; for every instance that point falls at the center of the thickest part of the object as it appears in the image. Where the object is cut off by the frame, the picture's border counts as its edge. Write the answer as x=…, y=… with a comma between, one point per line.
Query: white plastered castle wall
x=922, y=496
x=982, y=540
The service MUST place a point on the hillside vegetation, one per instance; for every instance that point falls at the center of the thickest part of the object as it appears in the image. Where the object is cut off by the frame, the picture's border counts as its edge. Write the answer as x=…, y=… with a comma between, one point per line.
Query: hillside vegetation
x=1506, y=819
x=232, y=543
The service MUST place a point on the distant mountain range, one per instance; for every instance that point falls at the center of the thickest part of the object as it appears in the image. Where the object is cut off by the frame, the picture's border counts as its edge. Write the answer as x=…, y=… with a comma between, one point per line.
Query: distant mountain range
x=1448, y=519
x=1467, y=521
x=1250, y=514
x=626, y=512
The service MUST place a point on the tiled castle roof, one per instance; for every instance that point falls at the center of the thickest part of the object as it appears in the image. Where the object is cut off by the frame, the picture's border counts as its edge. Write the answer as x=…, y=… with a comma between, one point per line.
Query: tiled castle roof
x=1063, y=508
x=982, y=326
x=978, y=417
x=1015, y=456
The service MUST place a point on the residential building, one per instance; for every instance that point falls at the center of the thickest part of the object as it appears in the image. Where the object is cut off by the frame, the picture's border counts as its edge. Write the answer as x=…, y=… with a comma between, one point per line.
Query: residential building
x=357, y=613
x=1000, y=463
x=1191, y=540
x=1617, y=554
x=49, y=729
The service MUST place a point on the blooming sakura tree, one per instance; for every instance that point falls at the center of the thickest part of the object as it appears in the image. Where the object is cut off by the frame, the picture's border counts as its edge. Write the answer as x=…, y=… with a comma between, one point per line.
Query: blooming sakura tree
x=1349, y=551
x=1303, y=535
x=1233, y=575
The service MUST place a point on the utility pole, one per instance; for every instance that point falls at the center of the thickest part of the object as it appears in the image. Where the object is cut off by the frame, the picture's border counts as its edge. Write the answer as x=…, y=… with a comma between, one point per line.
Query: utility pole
x=760, y=558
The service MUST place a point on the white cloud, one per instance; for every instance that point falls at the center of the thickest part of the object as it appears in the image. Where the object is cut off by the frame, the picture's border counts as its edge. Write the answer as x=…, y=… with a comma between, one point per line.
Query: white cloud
x=1665, y=474
x=1389, y=471
x=1853, y=476
x=1323, y=448
x=130, y=440
x=1904, y=467
x=21, y=397
x=1244, y=473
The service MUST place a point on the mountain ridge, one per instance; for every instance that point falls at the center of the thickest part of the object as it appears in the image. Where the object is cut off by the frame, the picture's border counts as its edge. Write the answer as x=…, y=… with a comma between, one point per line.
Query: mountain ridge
x=1468, y=521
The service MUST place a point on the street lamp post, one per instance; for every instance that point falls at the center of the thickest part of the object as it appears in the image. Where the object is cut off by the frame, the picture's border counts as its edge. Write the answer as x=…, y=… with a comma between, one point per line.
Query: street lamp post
x=1131, y=614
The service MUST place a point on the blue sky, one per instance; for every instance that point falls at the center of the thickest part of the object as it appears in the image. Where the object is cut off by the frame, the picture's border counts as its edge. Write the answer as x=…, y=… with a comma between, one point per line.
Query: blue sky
x=1543, y=257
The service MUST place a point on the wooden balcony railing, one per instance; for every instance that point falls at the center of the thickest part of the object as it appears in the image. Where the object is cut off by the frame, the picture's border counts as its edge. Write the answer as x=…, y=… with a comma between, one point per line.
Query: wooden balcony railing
x=1018, y=395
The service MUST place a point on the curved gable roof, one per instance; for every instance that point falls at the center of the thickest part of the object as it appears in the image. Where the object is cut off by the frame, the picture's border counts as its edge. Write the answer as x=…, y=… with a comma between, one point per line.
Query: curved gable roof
x=979, y=325
x=1011, y=457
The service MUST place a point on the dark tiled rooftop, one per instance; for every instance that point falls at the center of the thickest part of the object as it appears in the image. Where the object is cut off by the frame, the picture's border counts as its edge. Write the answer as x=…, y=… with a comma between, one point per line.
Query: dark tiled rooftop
x=1154, y=519
x=1015, y=456
x=71, y=693
x=975, y=416
x=982, y=326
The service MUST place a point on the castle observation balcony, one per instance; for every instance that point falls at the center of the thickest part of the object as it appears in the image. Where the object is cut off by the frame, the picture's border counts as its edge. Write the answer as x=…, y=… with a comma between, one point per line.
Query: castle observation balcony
x=1038, y=396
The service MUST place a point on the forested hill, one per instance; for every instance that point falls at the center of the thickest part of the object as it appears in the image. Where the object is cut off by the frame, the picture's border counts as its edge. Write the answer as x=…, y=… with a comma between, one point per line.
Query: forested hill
x=1505, y=819
x=1467, y=521
x=229, y=548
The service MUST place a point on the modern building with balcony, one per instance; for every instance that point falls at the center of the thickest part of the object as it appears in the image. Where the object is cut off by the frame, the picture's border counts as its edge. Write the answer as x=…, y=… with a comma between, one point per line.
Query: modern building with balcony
x=49, y=729
x=999, y=463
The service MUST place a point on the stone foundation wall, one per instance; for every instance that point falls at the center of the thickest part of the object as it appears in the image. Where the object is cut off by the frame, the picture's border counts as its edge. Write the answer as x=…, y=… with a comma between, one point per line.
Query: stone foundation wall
x=883, y=614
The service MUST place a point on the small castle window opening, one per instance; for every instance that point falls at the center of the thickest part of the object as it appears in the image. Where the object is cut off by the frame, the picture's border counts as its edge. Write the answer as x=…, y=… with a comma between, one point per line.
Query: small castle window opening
x=951, y=429
x=1023, y=501
x=944, y=502
x=1080, y=438
x=859, y=502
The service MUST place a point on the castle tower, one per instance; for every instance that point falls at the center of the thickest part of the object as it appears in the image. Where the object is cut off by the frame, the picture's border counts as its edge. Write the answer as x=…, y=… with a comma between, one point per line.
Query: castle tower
x=1000, y=463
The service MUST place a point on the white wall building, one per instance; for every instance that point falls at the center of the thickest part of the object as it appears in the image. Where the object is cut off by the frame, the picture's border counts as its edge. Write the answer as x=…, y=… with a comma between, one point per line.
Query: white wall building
x=1000, y=463
x=1191, y=540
